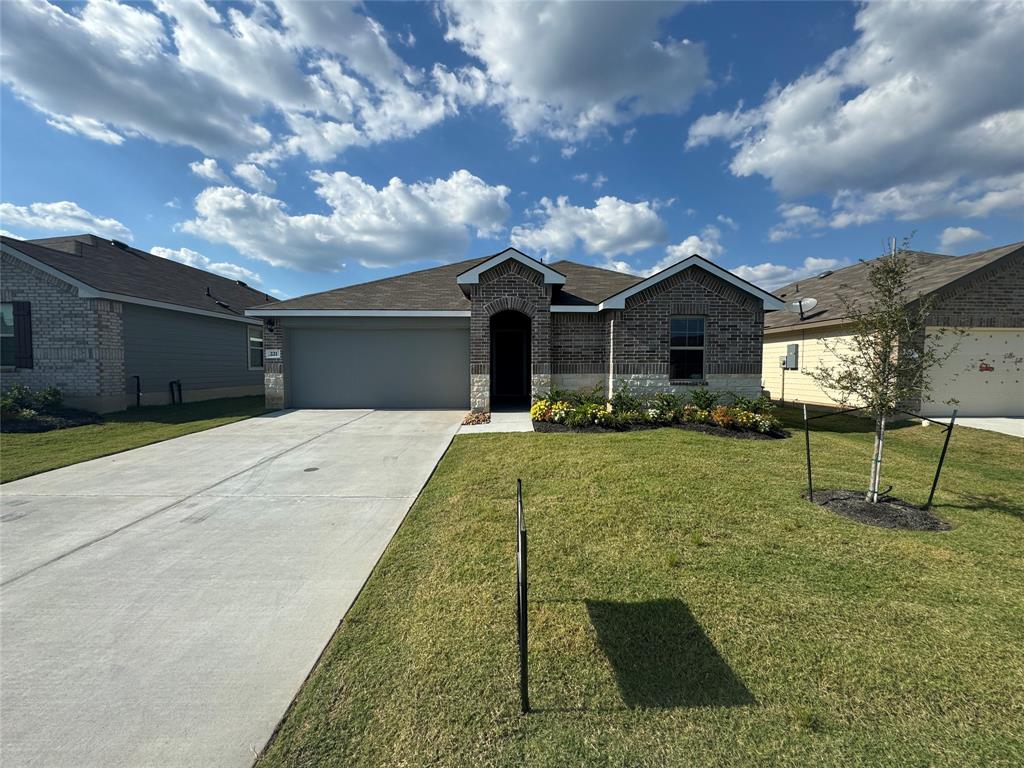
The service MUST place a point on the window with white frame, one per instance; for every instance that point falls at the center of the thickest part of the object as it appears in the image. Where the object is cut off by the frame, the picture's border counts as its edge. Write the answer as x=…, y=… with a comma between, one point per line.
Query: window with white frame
x=686, y=349
x=255, y=349
x=7, y=343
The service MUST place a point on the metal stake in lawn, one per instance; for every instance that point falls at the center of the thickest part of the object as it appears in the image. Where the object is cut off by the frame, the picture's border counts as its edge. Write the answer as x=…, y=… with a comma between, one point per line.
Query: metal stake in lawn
x=521, y=600
x=942, y=458
x=807, y=440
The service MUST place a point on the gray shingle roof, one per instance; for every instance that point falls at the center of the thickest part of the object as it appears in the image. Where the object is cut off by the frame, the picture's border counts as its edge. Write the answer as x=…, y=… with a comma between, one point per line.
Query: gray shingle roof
x=128, y=271
x=929, y=273
x=436, y=289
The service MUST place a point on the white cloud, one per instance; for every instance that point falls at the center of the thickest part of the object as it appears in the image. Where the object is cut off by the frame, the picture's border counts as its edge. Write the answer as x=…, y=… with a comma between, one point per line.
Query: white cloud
x=627, y=135
x=583, y=178
x=612, y=227
x=568, y=152
x=599, y=181
x=396, y=224
x=214, y=77
x=796, y=220
x=728, y=221
x=173, y=203
x=953, y=237
x=771, y=276
x=707, y=244
x=209, y=170
x=199, y=261
x=255, y=177
x=569, y=70
x=925, y=105
x=62, y=217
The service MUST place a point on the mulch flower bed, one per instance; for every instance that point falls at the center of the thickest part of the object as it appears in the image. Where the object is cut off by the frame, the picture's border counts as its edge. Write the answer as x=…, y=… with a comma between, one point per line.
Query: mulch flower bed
x=45, y=422
x=707, y=429
x=888, y=512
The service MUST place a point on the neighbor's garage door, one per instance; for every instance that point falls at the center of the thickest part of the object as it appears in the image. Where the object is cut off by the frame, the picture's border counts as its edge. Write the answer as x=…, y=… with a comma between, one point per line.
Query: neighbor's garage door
x=966, y=375
x=378, y=364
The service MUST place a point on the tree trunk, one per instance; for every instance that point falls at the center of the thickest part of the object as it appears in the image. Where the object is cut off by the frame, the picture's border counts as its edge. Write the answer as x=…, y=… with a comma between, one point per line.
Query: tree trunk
x=876, y=461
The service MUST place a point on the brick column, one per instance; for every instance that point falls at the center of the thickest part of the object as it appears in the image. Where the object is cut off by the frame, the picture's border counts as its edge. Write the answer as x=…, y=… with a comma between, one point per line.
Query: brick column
x=273, y=370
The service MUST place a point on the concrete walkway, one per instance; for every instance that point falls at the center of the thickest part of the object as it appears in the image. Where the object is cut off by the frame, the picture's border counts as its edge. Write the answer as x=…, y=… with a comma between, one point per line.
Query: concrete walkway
x=161, y=607
x=501, y=421
x=1005, y=425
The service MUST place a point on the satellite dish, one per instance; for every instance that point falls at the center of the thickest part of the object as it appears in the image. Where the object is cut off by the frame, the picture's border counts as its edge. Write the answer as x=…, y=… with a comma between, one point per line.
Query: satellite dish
x=800, y=306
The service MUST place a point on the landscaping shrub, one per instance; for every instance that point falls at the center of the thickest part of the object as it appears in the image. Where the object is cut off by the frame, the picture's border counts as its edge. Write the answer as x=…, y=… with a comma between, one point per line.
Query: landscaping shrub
x=626, y=411
x=704, y=399
x=20, y=402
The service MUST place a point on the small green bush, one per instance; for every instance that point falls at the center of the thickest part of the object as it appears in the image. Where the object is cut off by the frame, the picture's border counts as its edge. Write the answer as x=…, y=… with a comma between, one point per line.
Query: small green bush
x=704, y=399
x=624, y=401
x=21, y=402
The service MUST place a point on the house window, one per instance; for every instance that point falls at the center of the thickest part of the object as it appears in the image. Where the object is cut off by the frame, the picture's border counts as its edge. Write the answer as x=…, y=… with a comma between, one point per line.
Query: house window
x=255, y=349
x=686, y=349
x=7, y=342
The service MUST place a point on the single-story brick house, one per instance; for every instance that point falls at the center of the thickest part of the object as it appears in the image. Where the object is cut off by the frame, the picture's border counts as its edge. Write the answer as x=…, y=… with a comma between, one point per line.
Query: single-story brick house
x=110, y=324
x=503, y=329
x=982, y=293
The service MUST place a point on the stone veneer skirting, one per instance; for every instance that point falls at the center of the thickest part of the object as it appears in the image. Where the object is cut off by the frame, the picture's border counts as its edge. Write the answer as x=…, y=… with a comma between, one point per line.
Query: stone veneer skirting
x=648, y=384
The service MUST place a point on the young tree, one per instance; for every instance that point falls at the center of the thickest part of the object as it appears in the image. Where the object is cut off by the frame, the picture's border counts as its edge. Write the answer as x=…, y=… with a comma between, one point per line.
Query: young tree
x=886, y=362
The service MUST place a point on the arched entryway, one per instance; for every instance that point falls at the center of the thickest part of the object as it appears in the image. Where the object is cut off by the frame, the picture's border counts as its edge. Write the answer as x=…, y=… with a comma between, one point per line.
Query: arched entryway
x=510, y=360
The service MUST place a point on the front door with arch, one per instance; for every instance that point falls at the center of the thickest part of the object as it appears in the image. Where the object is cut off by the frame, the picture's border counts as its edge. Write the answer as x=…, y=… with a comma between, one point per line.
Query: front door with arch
x=510, y=360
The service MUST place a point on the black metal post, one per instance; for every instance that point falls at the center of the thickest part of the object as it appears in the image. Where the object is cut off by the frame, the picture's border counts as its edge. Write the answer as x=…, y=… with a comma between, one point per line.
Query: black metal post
x=807, y=441
x=138, y=391
x=942, y=458
x=522, y=623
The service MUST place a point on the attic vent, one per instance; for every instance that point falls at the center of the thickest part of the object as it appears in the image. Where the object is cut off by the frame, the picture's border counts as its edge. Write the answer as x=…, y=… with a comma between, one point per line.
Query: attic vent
x=826, y=273
x=222, y=304
x=119, y=244
x=241, y=283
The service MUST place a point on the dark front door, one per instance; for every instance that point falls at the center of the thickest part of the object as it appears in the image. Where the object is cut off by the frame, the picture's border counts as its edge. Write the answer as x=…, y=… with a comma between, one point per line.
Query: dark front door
x=510, y=360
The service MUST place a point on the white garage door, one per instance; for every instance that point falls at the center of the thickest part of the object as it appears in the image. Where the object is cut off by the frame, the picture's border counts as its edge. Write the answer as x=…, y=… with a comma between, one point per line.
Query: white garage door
x=984, y=374
x=378, y=364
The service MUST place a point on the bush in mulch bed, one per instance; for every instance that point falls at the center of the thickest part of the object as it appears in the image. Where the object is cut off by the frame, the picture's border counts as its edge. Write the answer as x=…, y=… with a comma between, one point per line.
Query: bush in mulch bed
x=26, y=410
x=887, y=512
x=702, y=411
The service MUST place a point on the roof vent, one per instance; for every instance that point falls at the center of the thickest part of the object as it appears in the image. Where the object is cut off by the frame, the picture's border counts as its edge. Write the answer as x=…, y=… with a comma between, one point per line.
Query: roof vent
x=222, y=304
x=208, y=291
x=119, y=244
x=826, y=273
x=241, y=283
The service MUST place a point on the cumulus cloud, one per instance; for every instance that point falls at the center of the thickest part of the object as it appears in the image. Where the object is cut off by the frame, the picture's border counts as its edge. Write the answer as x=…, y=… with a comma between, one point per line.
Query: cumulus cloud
x=707, y=244
x=727, y=221
x=796, y=220
x=199, y=261
x=255, y=177
x=208, y=169
x=62, y=217
x=396, y=224
x=771, y=276
x=913, y=119
x=953, y=237
x=213, y=77
x=569, y=70
x=611, y=228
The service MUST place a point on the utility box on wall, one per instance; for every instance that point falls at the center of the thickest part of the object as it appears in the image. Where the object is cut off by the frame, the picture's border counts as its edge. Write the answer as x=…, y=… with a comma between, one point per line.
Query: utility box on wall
x=791, y=360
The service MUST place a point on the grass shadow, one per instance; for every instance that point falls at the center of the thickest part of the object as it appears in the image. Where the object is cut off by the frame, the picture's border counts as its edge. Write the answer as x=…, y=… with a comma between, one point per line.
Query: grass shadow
x=662, y=657
x=846, y=423
x=985, y=504
x=194, y=411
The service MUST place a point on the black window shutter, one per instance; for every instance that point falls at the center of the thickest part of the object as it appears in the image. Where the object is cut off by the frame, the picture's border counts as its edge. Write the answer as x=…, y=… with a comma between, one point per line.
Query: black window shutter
x=22, y=311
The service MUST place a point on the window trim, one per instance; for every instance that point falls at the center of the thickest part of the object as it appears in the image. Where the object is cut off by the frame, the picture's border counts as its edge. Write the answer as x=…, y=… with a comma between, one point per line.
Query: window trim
x=252, y=334
x=703, y=349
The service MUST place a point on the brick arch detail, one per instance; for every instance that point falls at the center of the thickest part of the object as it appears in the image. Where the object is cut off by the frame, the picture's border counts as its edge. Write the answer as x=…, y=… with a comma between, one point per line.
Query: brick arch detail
x=505, y=303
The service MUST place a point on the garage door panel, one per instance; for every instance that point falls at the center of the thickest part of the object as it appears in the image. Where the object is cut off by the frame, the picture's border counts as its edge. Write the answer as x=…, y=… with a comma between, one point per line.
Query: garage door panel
x=378, y=367
x=983, y=373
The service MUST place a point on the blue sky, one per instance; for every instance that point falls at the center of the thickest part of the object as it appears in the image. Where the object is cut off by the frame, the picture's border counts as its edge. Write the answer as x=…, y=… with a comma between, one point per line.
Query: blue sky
x=306, y=146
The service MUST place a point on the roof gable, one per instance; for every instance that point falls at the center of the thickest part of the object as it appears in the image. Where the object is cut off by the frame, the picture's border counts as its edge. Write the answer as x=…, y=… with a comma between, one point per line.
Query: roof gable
x=472, y=275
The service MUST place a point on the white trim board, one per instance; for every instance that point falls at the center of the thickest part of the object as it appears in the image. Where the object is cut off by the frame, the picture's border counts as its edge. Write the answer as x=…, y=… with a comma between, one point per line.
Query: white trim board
x=357, y=313
x=472, y=276
x=86, y=291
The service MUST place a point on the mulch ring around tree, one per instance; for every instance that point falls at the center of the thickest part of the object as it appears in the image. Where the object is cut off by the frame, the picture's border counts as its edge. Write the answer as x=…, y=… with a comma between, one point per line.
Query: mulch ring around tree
x=707, y=429
x=888, y=512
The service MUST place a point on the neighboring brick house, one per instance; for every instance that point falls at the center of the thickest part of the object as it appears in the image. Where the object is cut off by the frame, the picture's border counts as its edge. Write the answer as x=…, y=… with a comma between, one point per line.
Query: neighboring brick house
x=109, y=325
x=981, y=293
x=505, y=329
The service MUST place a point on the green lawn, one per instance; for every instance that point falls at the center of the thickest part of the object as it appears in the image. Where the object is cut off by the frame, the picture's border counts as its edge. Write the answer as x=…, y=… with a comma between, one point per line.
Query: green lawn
x=28, y=454
x=687, y=608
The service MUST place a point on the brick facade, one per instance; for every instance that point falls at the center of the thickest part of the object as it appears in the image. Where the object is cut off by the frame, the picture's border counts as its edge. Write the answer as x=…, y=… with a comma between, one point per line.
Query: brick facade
x=77, y=344
x=274, y=389
x=992, y=299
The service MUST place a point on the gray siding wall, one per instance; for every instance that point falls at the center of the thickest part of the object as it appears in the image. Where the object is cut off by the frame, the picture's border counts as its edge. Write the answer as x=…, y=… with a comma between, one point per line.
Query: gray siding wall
x=161, y=345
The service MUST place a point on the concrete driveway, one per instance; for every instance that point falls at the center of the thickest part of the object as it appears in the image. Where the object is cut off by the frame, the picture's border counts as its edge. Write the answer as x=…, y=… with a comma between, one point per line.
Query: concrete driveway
x=162, y=607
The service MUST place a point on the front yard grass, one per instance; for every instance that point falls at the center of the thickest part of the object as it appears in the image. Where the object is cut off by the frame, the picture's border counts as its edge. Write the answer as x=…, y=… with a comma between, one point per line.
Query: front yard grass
x=687, y=608
x=24, y=454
